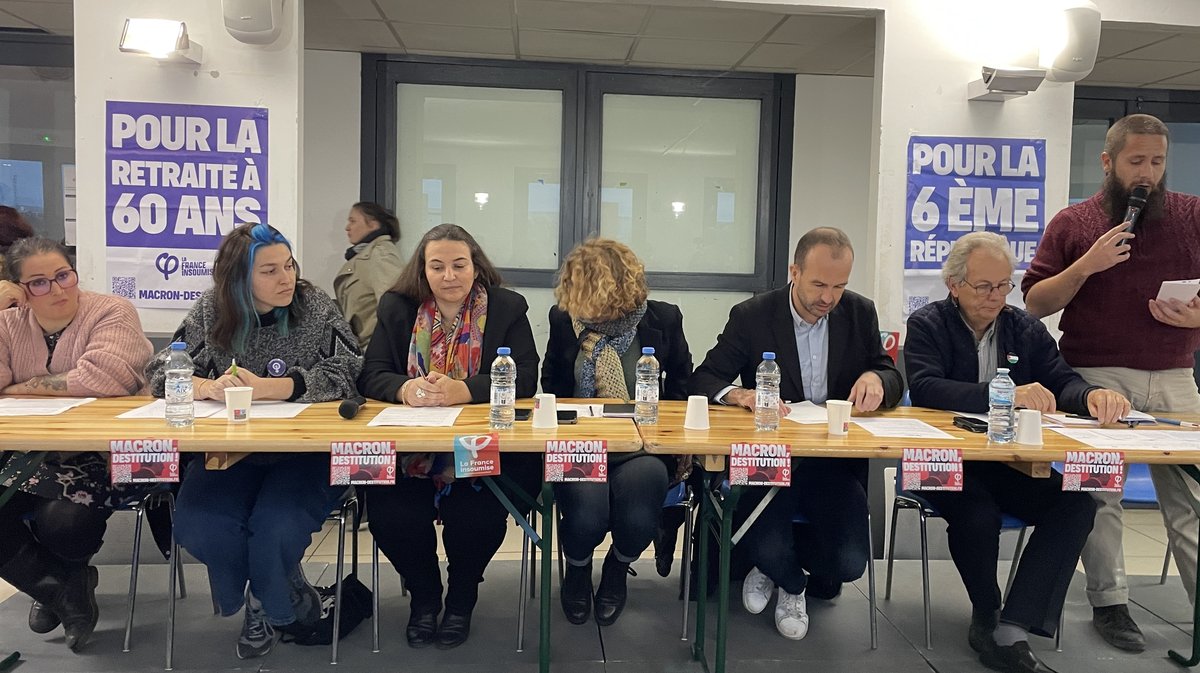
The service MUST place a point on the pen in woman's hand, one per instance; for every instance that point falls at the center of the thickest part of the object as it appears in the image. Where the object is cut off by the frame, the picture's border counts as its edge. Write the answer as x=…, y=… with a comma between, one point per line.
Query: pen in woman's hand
x=233, y=368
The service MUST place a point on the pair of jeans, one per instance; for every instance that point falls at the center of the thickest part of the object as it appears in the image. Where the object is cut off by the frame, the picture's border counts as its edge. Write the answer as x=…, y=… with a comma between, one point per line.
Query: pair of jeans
x=629, y=504
x=832, y=546
x=252, y=522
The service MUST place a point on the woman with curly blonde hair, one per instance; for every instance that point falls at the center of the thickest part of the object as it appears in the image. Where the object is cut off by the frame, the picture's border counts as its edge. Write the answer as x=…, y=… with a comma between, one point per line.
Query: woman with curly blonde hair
x=597, y=331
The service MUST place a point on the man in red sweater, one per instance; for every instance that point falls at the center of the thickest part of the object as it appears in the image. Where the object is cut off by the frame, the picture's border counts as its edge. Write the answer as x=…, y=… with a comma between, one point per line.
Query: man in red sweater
x=1117, y=335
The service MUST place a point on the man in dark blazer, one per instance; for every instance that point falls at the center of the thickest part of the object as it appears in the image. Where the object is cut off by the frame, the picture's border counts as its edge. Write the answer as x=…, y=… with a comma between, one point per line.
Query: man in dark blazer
x=826, y=342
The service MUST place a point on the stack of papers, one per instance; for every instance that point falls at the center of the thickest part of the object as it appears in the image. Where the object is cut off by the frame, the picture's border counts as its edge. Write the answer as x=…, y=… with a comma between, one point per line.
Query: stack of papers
x=212, y=408
x=909, y=428
x=807, y=413
x=47, y=406
x=1183, y=290
x=417, y=417
x=1127, y=440
x=583, y=410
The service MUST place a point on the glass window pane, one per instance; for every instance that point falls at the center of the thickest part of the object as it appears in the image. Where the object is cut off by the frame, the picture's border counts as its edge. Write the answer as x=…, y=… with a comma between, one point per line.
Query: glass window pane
x=671, y=169
x=1183, y=157
x=1087, y=142
x=37, y=147
x=484, y=158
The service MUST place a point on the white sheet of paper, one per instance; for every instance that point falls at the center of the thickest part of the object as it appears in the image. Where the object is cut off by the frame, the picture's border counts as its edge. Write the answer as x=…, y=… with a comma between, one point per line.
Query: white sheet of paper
x=1125, y=440
x=900, y=427
x=1183, y=290
x=48, y=406
x=417, y=417
x=1064, y=419
x=158, y=409
x=274, y=409
x=807, y=413
x=584, y=410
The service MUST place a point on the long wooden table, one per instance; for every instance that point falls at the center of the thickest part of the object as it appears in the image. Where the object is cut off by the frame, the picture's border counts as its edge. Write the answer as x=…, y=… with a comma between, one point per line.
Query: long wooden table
x=90, y=428
x=729, y=425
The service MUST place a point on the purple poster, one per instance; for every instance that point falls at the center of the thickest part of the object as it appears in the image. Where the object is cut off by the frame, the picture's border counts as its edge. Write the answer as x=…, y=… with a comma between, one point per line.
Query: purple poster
x=178, y=178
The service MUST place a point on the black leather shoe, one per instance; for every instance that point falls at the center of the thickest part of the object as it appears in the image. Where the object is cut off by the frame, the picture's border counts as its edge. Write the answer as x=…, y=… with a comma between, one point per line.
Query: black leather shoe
x=1117, y=628
x=456, y=627
x=42, y=619
x=611, y=595
x=1015, y=658
x=422, y=625
x=576, y=593
x=983, y=627
x=77, y=606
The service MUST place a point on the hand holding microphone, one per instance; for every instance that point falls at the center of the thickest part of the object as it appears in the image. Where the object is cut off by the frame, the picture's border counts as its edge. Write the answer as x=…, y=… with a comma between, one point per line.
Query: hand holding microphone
x=1137, y=203
x=349, y=407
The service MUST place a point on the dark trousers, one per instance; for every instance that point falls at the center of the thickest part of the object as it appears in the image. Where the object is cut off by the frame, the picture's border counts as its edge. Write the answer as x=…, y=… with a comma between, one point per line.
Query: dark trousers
x=629, y=505
x=69, y=531
x=1061, y=520
x=473, y=527
x=832, y=546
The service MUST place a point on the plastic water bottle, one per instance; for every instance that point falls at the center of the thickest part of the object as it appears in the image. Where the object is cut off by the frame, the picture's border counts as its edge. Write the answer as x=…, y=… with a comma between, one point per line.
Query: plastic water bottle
x=504, y=389
x=766, y=394
x=1002, y=421
x=181, y=410
x=645, y=407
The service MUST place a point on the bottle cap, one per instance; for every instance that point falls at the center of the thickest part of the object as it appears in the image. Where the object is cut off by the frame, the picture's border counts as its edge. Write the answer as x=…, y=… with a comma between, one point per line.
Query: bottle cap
x=178, y=346
x=1001, y=370
x=647, y=350
x=768, y=355
x=503, y=350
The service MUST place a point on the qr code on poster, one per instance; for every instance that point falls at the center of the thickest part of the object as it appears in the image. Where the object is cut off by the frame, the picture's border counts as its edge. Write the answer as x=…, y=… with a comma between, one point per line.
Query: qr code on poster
x=125, y=286
x=1072, y=482
x=912, y=303
x=911, y=481
x=738, y=476
x=339, y=475
x=554, y=472
x=122, y=473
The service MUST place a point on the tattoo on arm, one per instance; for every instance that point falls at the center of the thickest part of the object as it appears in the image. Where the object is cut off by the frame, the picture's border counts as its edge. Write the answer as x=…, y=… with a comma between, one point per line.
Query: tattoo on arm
x=54, y=384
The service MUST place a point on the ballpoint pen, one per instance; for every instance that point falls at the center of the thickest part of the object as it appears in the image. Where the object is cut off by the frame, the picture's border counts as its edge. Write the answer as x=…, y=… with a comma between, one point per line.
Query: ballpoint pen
x=1172, y=421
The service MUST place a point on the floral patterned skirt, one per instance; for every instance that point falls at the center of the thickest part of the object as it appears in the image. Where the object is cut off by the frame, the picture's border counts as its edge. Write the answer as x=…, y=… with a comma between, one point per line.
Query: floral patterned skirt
x=81, y=478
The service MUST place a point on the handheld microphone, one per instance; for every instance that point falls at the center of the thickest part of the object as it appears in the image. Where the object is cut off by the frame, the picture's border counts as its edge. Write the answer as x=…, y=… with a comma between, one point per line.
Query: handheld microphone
x=1137, y=203
x=348, y=409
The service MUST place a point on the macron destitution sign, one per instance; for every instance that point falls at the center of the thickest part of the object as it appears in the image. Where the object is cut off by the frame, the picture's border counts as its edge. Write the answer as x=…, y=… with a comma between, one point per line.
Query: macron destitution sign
x=178, y=178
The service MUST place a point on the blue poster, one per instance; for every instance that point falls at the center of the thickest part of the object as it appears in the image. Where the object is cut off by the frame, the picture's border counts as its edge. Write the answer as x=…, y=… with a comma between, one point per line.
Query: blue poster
x=178, y=179
x=960, y=185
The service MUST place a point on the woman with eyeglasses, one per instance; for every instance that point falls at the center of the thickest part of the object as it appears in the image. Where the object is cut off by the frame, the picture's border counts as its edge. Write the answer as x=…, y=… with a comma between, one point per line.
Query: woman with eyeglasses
x=59, y=340
x=251, y=523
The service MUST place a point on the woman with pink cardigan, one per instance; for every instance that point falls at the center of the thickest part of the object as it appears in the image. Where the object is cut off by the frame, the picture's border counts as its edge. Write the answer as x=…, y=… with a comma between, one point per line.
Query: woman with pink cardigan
x=59, y=340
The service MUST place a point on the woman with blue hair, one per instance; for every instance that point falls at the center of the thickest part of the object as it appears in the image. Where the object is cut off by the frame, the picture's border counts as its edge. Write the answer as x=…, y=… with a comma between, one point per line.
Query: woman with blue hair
x=251, y=523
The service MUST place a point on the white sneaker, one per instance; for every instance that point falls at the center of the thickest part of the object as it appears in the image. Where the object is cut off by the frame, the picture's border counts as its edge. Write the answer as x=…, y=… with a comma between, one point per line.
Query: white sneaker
x=791, y=615
x=756, y=591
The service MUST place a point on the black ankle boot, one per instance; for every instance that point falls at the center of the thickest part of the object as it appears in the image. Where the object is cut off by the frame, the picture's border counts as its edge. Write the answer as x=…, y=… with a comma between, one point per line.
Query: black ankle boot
x=68, y=590
x=42, y=619
x=455, y=628
x=576, y=593
x=422, y=624
x=610, y=597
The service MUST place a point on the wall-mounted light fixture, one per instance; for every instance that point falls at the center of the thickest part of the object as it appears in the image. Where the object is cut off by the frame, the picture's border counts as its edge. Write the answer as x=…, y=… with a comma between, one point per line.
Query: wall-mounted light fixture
x=481, y=198
x=162, y=39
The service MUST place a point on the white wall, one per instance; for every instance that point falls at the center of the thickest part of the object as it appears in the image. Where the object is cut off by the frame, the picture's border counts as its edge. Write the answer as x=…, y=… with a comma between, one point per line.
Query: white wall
x=232, y=74
x=332, y=119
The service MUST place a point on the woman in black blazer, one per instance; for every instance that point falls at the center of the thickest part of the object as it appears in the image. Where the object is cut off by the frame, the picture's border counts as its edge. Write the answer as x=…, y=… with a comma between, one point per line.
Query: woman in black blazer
x=597, y=332
x=438, y=332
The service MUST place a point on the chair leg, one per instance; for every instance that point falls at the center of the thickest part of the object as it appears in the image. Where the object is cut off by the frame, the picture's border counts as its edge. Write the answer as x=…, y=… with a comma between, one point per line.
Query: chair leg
x=871, y=584
x=176, y=552
x=1062, y=622
x=375, y=589
x=182, y=582
x=685, y=576
x=1012, y=570
x=526, y=544
x=337, y=598
x=134, y=564
x=891, y=557
x=354, y=537
x=925, y=580
x=562, y=560
x=1166, y=564
x=533, y=552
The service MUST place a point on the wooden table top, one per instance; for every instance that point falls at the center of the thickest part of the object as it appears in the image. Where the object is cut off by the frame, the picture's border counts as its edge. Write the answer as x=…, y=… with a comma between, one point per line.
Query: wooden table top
x=735, y=424
x=91, y=426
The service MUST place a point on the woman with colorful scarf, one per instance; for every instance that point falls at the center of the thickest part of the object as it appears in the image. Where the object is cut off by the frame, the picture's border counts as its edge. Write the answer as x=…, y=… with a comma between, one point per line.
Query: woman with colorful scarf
x=437, y=334
x=597, y=332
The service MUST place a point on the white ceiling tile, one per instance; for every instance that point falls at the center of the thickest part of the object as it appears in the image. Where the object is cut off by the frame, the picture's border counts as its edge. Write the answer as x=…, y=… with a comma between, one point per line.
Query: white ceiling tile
x=1133, y=72
x=349, y=35
x=463, y=54
x=806, y=59
x=580, y=46
x=482, y=13
x=593, y=17
x=863, y=67
x=818, y=29
x=424, y=37
x=1176, y=48
x=340, y=9
x=10, y=21
x=728, y=25
x=1117, y=41
x=694, y=53
x=1191, y=79
x=52, y=16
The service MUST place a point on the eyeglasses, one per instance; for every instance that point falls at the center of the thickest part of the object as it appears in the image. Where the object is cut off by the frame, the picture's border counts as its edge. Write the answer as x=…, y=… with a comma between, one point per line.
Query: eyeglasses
x=985, y=288
x=41, y=286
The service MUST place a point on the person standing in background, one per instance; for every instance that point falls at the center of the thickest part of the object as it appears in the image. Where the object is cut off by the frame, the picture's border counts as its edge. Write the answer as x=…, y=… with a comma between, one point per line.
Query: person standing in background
x=372, y=266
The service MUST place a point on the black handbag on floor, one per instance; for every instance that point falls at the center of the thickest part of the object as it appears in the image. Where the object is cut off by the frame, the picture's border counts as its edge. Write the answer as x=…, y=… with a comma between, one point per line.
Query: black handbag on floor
x=356, y=606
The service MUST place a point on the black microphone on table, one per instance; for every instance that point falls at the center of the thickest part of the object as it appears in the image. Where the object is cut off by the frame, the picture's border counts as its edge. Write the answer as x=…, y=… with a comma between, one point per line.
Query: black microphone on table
x=348, y=409
x=1137, y=203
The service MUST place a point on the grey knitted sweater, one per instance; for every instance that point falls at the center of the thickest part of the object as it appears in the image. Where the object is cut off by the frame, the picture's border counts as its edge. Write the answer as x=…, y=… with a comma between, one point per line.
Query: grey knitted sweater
x=320, y=353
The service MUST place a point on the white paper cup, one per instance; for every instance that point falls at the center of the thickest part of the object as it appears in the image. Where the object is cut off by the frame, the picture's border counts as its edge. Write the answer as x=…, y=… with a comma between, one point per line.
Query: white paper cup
x=237, y=403
x=839, y=417
x=1029, y=427
x=545, y=411
x=696, y=417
